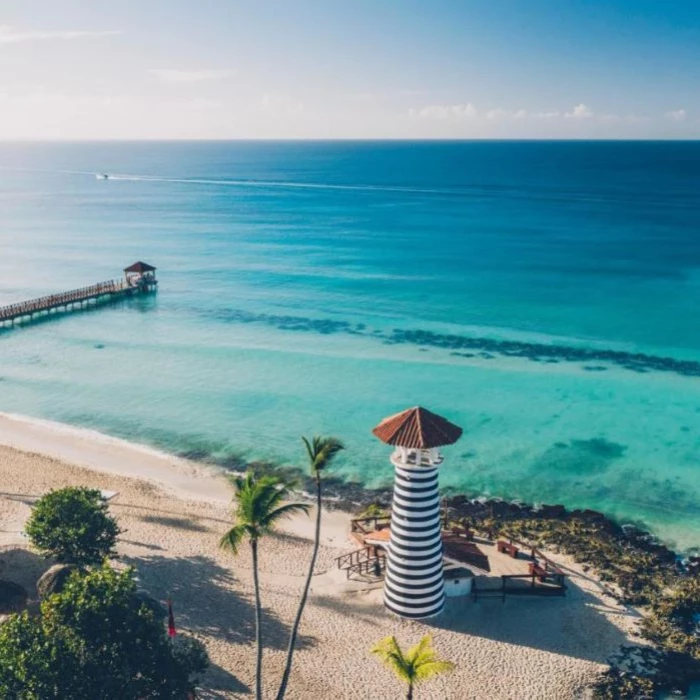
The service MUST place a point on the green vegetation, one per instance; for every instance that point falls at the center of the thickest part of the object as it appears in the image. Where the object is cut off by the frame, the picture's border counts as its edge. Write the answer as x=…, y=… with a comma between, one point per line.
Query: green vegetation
x=672, y=625
x=639, y=574
x=673, y=619
x=321, y=452
x=74, y=526
x=645, y=574
x=618, y=685
x=418, y=664
x=375, y=509
x=95, y=640
x=259, y=508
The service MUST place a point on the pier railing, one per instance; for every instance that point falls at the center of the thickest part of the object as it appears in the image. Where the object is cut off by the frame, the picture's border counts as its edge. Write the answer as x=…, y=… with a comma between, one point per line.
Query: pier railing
x=368, y=560
x=365, y=526
x=74, y=296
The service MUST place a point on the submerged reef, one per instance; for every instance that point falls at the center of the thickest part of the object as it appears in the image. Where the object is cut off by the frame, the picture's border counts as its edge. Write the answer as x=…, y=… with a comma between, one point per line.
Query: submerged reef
x=473, y=346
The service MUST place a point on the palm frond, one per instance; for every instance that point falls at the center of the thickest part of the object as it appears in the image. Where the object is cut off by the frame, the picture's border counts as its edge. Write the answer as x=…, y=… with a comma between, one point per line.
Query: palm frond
x=420, y=649
x=321, y=451
x=310, y=449
x=231, y=541
x=418, y=664
x=389, y=651
x=432, y=668
x=237, y=480
x=259, y=504
x=284, y=511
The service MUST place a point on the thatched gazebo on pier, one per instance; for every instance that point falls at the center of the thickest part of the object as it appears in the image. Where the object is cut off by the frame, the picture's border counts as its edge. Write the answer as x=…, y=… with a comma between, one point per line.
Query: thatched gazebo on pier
x=141, y=275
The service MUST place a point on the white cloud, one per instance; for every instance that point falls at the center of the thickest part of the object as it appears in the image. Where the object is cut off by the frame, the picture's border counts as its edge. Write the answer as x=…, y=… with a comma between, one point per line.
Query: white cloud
x=12, y=35
x=576, y=120
x=496, y=114
x=500, y=114
x=181, y=77
x=555, y=114
x=580, y=111
x=678, y=115
x=445, y=112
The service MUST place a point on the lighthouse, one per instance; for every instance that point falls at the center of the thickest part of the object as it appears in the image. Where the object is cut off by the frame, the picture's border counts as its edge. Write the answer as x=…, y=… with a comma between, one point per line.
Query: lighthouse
x=414, y=586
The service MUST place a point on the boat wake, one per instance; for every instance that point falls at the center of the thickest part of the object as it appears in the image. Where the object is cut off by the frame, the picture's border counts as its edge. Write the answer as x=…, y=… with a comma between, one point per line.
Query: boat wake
x=279, y=184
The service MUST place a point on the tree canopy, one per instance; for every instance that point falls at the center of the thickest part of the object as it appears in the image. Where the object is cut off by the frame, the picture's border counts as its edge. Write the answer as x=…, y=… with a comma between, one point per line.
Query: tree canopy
x=73, y=525
x=418, y=664
x=95, y=640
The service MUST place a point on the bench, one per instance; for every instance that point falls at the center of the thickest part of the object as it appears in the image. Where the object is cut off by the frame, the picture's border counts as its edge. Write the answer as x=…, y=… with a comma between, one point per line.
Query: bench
x=534, y=569
x=507, y=548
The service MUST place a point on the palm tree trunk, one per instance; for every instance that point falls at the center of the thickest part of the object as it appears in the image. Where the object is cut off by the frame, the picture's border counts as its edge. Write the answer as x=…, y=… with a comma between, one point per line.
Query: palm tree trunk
x=258, y=623
x=409, y=694
x=297, y=620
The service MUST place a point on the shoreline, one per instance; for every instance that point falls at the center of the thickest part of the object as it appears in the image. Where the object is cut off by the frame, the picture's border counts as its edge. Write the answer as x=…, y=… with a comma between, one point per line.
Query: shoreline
x=97, y=451
x=193, y=477
x=173, y=515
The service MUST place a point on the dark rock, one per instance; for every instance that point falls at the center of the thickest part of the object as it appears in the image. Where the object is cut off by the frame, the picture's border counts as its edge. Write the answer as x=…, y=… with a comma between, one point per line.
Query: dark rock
x=556, y=511
x=54, y=580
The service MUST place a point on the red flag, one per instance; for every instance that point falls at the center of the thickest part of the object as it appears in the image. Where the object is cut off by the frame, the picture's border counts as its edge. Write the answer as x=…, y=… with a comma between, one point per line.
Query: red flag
x=171, y=620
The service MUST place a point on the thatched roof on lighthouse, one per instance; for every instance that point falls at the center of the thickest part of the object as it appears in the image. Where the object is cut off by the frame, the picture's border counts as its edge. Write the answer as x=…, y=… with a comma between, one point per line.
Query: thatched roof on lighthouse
x=417, y=428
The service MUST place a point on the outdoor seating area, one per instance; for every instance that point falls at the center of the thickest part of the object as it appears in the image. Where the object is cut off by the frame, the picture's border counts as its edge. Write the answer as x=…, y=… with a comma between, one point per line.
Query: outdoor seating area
x=507, y=548
x=496, y=568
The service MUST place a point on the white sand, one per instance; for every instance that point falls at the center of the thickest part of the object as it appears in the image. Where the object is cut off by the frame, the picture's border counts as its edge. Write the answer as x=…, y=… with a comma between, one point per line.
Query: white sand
x=174, y=513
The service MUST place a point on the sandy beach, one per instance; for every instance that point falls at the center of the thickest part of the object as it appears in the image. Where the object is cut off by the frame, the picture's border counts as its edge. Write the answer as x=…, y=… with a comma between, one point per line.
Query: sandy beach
x=173, y=514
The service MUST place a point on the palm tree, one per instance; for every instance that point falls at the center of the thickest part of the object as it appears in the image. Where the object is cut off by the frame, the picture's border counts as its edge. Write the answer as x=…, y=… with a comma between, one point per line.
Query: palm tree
x=416, y=665
x=259, y=508
x=321, y=453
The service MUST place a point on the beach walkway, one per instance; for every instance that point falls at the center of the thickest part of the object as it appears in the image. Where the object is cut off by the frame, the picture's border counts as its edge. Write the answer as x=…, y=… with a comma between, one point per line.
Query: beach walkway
x=139, y=278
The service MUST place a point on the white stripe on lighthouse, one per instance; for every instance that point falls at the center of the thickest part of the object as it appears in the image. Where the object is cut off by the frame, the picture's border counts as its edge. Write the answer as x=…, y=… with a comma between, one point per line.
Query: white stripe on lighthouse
x=414, y=585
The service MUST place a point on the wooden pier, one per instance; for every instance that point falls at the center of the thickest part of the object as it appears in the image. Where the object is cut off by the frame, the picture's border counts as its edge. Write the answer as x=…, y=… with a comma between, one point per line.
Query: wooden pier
x=139, y=278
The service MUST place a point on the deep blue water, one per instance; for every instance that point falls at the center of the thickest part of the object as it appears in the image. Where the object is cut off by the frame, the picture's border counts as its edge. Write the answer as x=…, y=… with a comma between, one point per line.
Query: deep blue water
x=543, y=295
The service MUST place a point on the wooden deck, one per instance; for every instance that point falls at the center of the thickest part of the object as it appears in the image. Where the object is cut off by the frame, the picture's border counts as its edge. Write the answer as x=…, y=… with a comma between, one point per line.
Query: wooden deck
x=67, y=301
x=496, y=573
x=512, y=576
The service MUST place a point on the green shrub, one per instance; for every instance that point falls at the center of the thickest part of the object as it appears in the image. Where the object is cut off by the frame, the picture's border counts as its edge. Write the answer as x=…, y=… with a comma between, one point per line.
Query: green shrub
x=672, y=623
x=618, y=685
x=73, y=525
x=95, y=641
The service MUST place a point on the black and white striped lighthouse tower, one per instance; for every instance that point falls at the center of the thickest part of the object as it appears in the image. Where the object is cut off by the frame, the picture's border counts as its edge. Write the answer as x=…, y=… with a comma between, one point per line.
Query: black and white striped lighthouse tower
x=414, y=586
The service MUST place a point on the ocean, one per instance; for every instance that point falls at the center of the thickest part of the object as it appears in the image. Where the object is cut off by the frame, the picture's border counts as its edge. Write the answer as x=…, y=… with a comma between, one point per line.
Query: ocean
x=542, y=295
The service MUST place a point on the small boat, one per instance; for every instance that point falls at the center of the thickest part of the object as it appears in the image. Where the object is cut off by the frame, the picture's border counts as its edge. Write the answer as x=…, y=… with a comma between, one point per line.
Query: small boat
x=102, y=176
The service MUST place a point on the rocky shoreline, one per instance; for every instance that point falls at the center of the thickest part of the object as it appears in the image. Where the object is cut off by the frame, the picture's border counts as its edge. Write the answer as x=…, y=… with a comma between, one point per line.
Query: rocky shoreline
x=352, y=497
x=634, y=567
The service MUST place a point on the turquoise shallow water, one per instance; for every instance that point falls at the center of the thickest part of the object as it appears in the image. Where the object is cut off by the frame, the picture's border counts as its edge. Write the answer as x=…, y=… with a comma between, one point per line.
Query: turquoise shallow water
x=542, y=295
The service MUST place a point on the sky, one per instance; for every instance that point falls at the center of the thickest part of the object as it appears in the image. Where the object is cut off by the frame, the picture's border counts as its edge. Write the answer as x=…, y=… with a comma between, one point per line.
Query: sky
x=366, y=69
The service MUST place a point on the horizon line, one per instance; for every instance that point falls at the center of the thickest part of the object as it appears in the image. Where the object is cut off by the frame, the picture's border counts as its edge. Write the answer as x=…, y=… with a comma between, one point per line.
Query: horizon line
x=353, y=140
